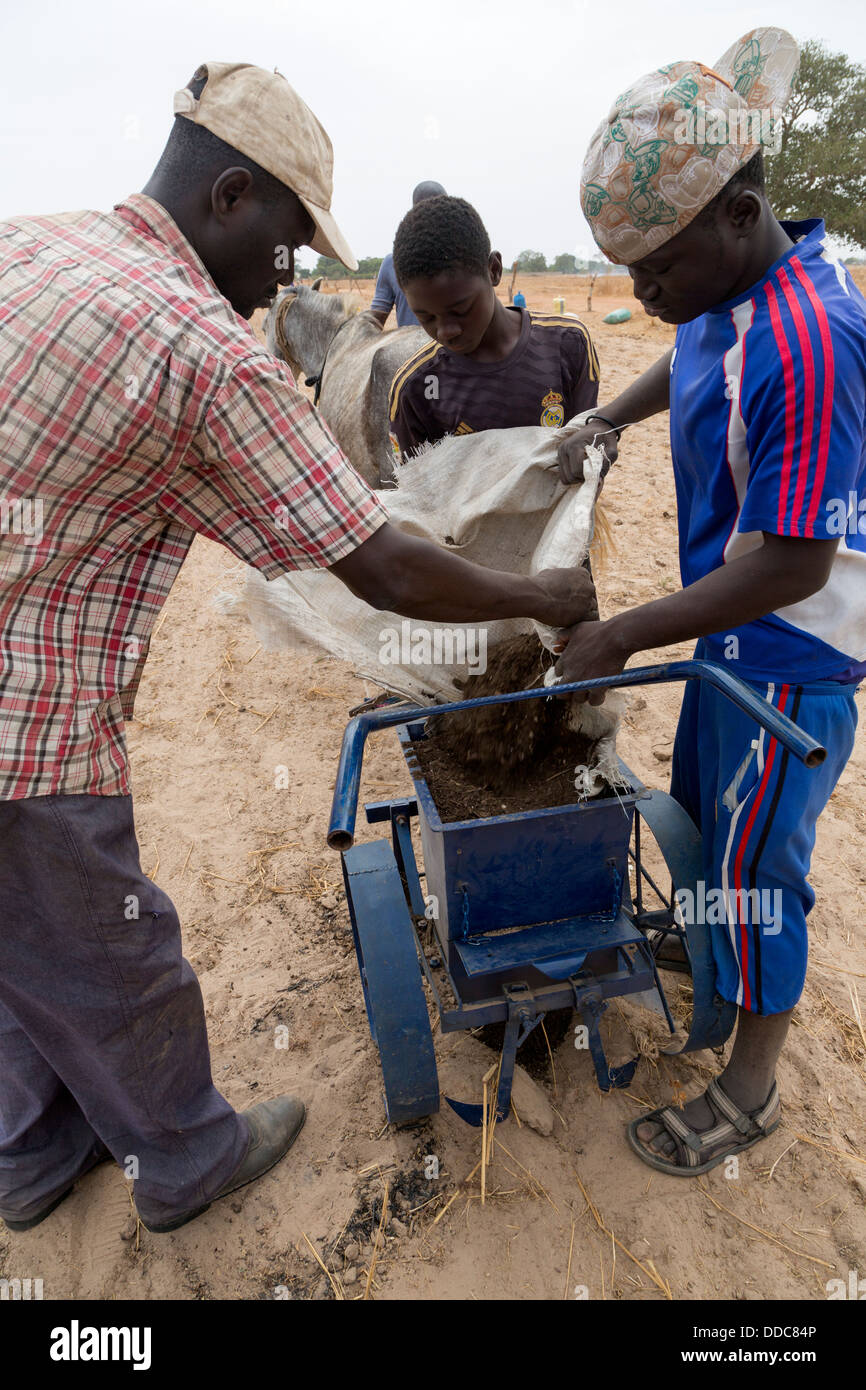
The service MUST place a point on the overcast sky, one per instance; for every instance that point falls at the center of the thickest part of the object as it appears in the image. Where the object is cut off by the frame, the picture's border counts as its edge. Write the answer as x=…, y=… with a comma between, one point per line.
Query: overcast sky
x=495, y=99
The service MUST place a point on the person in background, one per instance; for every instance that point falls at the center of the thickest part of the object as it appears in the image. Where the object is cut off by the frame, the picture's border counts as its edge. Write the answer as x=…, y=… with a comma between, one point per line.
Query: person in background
x=388, y=294
x=490, y=365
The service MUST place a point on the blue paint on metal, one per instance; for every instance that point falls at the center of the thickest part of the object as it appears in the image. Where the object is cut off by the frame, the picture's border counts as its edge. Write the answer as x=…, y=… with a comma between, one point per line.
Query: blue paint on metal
x=535, y=909
x=534, y=866
x=468, y=1111
x=550, y=946
x=401, y=838
x=622, y=1076
x=590, y=1003
x=522, y=1017
x=345, y=802
x=376, y=811
x=391, y=977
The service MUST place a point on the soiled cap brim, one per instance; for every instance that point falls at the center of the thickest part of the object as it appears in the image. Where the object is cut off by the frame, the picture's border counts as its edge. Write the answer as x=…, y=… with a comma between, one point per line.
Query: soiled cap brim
x=259, y=114
x=329, y=240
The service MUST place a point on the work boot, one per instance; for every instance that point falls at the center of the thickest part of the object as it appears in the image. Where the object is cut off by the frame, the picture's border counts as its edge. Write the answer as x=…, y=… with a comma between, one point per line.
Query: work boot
x=99, y=1154
x=274, y=1127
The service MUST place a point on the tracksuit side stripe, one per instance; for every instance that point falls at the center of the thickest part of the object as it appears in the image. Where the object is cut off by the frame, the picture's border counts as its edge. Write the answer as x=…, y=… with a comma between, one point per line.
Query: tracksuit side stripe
x=741, y=850
x=732, y=831
x=753, y=868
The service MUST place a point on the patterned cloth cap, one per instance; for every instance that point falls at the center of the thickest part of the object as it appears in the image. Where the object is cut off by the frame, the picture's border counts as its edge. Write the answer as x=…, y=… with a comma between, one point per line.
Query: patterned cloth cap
x=673, y=140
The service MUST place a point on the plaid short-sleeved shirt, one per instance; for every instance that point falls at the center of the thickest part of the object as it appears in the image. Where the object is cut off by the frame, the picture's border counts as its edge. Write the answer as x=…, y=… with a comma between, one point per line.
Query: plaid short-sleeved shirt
x=136, y=408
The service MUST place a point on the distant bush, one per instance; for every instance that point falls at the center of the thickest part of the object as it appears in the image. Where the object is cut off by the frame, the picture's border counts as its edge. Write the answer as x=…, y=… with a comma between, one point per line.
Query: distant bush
x=368, y=268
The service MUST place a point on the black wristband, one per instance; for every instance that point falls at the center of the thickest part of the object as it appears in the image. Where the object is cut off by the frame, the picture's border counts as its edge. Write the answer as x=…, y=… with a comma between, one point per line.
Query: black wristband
x=617, y=429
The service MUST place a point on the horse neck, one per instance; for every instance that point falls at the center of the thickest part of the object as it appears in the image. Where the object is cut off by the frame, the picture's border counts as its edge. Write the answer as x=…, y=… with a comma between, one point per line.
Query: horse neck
x=307, y=329
x=354, y=333
x=322, y=327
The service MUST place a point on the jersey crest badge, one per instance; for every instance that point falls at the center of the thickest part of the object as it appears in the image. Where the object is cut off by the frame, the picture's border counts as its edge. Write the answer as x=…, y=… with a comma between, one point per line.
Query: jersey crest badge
x=553, y=411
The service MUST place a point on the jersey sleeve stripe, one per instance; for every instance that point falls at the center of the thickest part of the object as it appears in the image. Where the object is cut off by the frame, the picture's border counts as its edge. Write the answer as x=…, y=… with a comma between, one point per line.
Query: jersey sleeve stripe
x=402, y=376
x=790, y=402
x=829, y=364
x=808, y=425
x=542, y=320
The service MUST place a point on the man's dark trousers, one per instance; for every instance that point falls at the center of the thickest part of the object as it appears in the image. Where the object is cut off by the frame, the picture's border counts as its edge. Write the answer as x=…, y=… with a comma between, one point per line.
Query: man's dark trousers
x=102, y=1029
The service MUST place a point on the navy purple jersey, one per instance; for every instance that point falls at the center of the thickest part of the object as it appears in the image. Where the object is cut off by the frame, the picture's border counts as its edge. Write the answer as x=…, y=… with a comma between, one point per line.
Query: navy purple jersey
x=768, y=434
x=550, y=375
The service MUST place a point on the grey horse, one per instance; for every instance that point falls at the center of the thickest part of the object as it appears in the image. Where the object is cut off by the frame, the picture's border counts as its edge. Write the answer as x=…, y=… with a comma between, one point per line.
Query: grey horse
x=327, y=339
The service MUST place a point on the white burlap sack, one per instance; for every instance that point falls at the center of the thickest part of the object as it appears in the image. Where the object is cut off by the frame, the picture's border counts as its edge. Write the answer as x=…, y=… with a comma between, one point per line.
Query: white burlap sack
x=494, y=498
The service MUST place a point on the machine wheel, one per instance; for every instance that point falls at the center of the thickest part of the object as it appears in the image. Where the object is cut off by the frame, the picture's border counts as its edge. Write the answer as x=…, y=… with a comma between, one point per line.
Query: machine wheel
x=391, y=979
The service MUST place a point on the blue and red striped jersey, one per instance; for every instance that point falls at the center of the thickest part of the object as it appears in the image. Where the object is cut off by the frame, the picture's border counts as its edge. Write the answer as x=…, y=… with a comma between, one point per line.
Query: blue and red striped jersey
x=768, y=434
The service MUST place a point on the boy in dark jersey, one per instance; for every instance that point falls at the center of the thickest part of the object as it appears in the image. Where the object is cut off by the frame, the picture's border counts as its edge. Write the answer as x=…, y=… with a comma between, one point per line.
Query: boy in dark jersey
x=489, y=366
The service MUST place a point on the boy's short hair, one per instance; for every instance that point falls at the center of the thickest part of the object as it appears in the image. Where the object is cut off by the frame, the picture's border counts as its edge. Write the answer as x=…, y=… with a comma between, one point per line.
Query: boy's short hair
x=439, y=234
x=750, y=174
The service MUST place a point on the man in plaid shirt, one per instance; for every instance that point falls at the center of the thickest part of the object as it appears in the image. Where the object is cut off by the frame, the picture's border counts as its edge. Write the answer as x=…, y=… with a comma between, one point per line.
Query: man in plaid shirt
x=136, y=409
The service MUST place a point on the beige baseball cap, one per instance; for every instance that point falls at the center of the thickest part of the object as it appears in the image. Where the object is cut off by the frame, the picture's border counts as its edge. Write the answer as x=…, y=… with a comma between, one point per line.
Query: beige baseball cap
x=261, y=116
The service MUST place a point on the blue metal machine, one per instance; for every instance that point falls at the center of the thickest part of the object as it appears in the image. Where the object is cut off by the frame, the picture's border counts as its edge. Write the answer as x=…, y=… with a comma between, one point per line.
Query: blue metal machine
x=532, y=912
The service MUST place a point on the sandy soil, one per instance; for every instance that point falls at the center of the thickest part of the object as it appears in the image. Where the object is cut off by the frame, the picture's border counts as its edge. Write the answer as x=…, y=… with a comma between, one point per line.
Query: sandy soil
x=543, y=292
x=266, y=927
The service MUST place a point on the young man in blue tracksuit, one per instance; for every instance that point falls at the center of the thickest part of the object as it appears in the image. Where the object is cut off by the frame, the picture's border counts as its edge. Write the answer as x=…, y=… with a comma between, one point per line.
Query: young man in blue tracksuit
x=766, y=388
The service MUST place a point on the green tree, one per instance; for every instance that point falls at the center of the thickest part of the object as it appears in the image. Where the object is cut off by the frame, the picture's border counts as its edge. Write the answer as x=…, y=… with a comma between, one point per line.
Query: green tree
x=565, y=264
x=531, y=260
x=330, y=269
x=368, y=268
x=820, y=167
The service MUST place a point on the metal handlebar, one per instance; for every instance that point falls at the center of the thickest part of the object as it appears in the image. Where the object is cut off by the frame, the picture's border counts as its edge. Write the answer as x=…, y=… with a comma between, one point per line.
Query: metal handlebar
x=344, y=807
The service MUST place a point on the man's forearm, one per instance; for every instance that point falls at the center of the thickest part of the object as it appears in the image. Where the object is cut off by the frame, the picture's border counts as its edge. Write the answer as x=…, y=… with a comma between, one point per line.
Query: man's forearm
x=404, y=574
x=739, y=592
x=784, y=570
x=646, y=396
x=437, y=584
